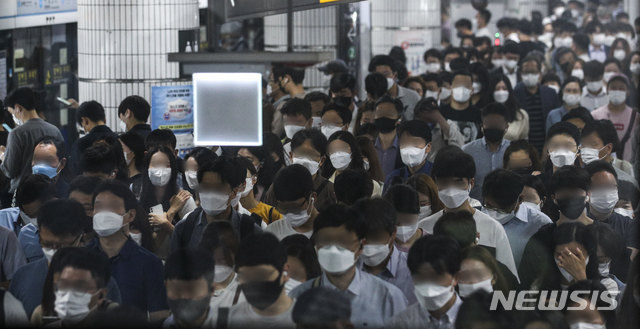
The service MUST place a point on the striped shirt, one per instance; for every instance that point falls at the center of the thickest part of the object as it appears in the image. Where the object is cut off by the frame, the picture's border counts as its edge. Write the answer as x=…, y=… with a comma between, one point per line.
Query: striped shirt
x=536, y=120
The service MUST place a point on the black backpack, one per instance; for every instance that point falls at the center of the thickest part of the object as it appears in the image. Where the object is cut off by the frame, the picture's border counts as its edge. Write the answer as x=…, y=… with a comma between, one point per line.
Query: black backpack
x=246, y=226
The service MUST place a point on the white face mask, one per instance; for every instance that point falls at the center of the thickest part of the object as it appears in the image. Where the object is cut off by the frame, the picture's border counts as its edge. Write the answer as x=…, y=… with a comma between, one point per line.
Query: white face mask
x=617, y=97
x=125, y=157
x=557, y=42
x=404, y=233
x=594, y=86
x=28, y=220
x=374, y=254
x=501, y=96
x=497, y=62
x=603, y=200
x=214, y=203
x=72, y=306
x=582, y=325
x=222, y=273
x=578, y=73
x=603, y=268
x=609, y=39
x=159, y=176
x=530, y=80
x=340, y=160
x=556, y=88
x=107, y=223
x=445, y=93
x=311, y=165
x=447, y=67
x=413, y=156
x=607, y=76
x=619, y=54
x=567, y=42
x=599, y=38
x=624, y=212
x=562, y=157
x=48, y=253
x=453, y=197
x=122, y=124
x=477, y=88
x=390, y=83
x=291, y=284
x=136, y=237
x=501, y=217
x=433, y=67
x=433, y=296
x=236, y=200
x=634, y=68
x=248, y=188
x=558, y=11
x=291, y=130
x=432, y=94
x=425, y=212
x=467, y=289
x=589, y=155
x=510, y=64
x=316, y=123
x=366, y=164
x=327, y=131
x=300, y=218
x=192, y=178
x=566, y=274
x=532, y=205
x=571, y=99
x=461, y=94
x=336, y=260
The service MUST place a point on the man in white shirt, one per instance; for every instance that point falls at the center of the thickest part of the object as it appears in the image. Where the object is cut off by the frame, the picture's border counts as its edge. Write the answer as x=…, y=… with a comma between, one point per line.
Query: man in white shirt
x=594, y=94
x=597, y=50
x=483, y=17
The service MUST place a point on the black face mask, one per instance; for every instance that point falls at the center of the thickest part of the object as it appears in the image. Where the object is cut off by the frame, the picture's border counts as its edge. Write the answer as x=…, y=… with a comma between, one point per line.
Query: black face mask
x=189, y=310
x=572, y=207
x=342, y=100
x=493, y=135
x=262, y=294
x=523, y=171
x=564, y=67
x=386, y=125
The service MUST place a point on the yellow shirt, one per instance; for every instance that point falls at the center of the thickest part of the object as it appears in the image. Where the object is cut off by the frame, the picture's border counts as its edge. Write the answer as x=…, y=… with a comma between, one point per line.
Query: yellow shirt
x=263, y=210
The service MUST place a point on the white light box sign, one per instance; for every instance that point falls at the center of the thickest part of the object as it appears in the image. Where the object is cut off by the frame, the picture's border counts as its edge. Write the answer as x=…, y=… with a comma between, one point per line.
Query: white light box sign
x=227, y=109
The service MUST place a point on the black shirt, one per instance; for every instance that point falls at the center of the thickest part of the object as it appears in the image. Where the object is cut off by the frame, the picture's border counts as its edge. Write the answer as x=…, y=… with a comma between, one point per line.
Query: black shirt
x=537, y=132
x=141, y=129
x=468, y=120
x=537, y=256
x=85, y=142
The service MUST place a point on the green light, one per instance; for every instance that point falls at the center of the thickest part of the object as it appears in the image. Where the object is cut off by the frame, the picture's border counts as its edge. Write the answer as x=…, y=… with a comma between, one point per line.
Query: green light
x=497, y=35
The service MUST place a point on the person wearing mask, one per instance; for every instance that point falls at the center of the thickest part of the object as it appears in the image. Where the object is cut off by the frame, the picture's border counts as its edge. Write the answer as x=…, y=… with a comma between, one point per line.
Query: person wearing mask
x=265, y=162
x=246, y=200
x=277, y=95
x=344, y=154
x=583, y=312
x=451, y=53
x=580, y=47
x=407, y=205
x=370, y=157
x=613, y=256
x=311, y=309
x=21, y=103
x=33, y=192
x=366, y=115
x=522, y=158
x=624, y=118
x=500, y=91
x=387, y=66
x=534, y=195
x=302, y=260
x=58, y=227
x=460, y=110
x=571, y=94
x=536, y=99
x=633, y=68
x=380, y=257
x=432, y=86
x=375, y=84
x=445, y=90
x=81, y=190
x=599, y=140
x=343, y=91
x=483, y=17
x=296, y=116
x=415, y=144
x=552, y=81
x=296, y=200
x=612, y=67
x=433, y=58
x=564, y=60
x=416, y=84
x=353, y=185
x=443, y=131
x=262, y=272
x=434, y=262
x=189, y=277
x=509, y=67
x=507, y=26
x=496, y=57
x=597, y=49
x=318, y=100
x=137, y=271
x=134, y=150
x=99, y=161
x=339, y=233
x=429, y=201
x=594, y=93
x=219, y=182
x=602, y=201
x=335, y=117
x=479, y=270
x=454, y=173
x=480, y=75
x=488, y=152
x=503, y=197
x=134, y=113
x=91, y=117
x=289, y=79
x=50, y=159
x=578, y=117
x=192, y=162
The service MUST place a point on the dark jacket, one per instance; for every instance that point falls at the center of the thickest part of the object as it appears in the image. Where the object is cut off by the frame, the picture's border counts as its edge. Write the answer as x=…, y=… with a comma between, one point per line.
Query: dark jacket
x=548, y=98
x=85, y=142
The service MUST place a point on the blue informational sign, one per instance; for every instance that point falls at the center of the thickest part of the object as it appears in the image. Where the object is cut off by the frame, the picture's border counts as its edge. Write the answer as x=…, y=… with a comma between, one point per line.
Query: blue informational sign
x=172, y=108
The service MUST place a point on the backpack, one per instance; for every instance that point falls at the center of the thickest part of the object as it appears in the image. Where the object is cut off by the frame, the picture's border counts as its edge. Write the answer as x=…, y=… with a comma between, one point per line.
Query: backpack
x=246, y=226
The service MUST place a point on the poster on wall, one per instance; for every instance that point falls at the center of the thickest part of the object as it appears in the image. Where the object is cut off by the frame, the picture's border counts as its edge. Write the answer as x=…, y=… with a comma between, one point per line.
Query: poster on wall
x=172, y=108
x=414, y=43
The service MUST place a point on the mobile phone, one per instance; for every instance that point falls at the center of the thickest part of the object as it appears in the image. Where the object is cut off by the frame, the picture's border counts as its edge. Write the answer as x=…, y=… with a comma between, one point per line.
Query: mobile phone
x=64, y=101
x=156, y=210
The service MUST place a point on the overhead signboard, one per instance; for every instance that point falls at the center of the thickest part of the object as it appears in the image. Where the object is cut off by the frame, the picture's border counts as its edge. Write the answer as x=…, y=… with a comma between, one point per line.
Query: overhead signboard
x=36, y=7
x=245, y=9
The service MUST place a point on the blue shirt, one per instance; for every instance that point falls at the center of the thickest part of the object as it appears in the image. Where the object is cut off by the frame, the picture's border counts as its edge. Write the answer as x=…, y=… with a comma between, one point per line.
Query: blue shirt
x=387, y=157
x=373, y=301
x=555, y=116
x=520, y=228
x=10, y=218
x=397, y=273
x=404, y=173
x=29, y=239
x=140, y=276
x=28, y=283
x=486, y=161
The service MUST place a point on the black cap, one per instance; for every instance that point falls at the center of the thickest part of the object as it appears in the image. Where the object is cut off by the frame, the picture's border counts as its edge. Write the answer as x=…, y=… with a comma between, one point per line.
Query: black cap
x=336, y=65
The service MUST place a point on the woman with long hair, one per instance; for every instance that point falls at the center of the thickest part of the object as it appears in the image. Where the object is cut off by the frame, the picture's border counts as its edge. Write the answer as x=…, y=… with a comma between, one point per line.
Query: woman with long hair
x=262, y=160
x=133, y=150
x=479, y=271
x=501, y=91
x=370, y=157
x=427, y=194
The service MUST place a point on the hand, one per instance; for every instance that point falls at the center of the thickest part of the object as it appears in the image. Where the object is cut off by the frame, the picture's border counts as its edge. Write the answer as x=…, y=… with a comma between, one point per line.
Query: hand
x=575, y=264
x=179, y=200
x=158, y=220
x=2, y=151
x=430, y=116
x=74, y=103
x=536, y=173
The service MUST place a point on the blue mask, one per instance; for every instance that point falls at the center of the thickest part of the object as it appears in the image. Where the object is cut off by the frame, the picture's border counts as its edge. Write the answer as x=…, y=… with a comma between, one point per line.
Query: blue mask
x=45, y=169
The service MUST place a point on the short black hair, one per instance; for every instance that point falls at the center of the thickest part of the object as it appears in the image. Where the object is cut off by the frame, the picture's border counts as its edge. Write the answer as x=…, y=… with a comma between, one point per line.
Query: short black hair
x=98, y=158
x=415, y=128
x=35, y=187
x=261, y=249
x=404, y=199
x=535, y=183
x=316, y=96
x=432, y=77
x=201, y=155
x=135, y=143
x=619, y=78
x=591, y=27
x=91, y=110
x=506, y=22
x=292, y=183
x=511, y=48
x=84, y=184
x=90, y=260
x=138, y=106
x=463, y=22
x=300, y=247
x=533, y=58
x=593, y=69
x=161, y=137
x=230, y=170
x=564, y=128
x=341, y=81
x=570, y=177
x=355, y=185
x=464, y=72
x=600, y=166
x=380, y=60
x=295, y=106
x=441, y=252
x=459, y=226
x=578, y=113
x=452, y=162
x=495, y=108
x=343, y=111
x=503, y=187
x=379, y=214
x=552, y=77
x=23, y=96
x=581, y=41
x=445, y=77
x=396, y=103
x=337, y=215
x=459, y=64
x=63, y=218
x=485, y=14
x=375, y=84
x=190, y=265
x=433, y=52
x=296, y=73
x=525, y=27
x=604, y=129
x=118, y=189
x=317, y=139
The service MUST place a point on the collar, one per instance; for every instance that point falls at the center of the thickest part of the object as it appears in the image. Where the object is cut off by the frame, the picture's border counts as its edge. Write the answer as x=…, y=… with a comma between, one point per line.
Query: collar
x=378, y=143
x=523, y=213
x=354, y=286
x=452, y=313
x=486, y=145
x=506, y=72
x=101, y=129
x=203, y=217
x=401, y=91
x=141, y=126
x=592, y=48
x=392, y=264
x=586, y=92
x=125, y=252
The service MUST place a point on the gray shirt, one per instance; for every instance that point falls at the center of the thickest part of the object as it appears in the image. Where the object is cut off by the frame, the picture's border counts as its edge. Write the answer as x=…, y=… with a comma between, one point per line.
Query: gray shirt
x=397, y=273
x=20, y=145
x=440, y=140
x=522, y=227
x=486, y=161
x=373, y=301
x=409, y=99
x=11, y=255
x=242, y=315
x=14, y=314
x=416, y=316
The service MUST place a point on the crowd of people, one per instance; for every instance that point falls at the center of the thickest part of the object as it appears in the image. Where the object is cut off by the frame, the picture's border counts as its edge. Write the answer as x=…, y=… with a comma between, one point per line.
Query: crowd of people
x=501, y=170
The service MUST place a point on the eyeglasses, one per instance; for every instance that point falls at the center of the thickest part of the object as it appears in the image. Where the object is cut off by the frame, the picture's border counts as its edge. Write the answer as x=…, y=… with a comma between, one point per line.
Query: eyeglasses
x=57, y=246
